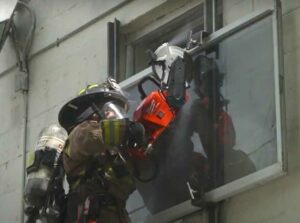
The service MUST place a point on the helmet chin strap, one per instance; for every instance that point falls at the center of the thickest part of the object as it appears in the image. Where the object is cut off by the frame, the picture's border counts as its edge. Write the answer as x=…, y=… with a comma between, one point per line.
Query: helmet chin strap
x=97, y=110
x=88, y=112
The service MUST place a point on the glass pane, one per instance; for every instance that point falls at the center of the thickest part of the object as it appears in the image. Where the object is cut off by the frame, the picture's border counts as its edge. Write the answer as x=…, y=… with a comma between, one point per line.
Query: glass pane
x=226, y=130
x=2, y=25
x=3, y=33
x=175, y=33
x=243, y=69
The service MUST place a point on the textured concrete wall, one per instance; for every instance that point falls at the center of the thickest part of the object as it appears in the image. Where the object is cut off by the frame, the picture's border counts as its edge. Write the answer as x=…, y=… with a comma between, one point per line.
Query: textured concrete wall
x=10, y=151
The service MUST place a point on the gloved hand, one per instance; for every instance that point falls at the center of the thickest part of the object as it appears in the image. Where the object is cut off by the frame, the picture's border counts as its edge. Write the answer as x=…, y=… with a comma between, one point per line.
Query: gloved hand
x=115, y=131
x=136, y=135
x=122, y=133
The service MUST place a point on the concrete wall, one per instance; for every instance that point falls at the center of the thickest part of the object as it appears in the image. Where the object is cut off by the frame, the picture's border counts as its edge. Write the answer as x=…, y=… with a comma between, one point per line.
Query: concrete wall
x=11, y=149
x=57, y=73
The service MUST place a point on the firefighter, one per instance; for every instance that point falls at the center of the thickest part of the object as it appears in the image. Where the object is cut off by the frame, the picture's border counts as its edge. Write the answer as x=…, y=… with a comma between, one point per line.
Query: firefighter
x=215, y=127
x=98, y=168
x=210, y=117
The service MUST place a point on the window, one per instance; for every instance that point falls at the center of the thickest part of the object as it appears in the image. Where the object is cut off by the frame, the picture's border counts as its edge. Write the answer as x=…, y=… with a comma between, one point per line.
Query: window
x=228, y=136
x=175, y=29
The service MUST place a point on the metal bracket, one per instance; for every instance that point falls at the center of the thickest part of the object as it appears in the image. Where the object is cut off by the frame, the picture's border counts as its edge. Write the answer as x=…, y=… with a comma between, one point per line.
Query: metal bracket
x=21, y=81
x=197, y=198
x=203, y=35
x=191, y=43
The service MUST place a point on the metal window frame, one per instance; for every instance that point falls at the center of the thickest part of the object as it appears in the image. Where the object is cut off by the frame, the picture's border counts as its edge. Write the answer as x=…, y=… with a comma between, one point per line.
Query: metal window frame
x=113, y=49
x=264, y=175
x=155, y=27
x=212, y=21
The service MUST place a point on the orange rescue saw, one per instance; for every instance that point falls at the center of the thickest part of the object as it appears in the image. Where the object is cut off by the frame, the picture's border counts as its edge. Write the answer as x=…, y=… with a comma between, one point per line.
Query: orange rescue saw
x=160, y=107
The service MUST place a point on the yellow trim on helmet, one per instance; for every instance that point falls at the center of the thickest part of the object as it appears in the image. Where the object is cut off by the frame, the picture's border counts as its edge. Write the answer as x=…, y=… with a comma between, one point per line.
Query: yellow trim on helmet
x=87, y=88
x=92, y=86
x=81, y=91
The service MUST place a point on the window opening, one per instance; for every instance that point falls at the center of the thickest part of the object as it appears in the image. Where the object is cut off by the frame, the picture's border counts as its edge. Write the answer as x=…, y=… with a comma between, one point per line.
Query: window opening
x=238, y=139
x=135, y=57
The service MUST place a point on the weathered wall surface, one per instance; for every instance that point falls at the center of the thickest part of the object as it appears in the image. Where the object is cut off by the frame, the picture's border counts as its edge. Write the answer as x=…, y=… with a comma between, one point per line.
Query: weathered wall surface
x=11, y=150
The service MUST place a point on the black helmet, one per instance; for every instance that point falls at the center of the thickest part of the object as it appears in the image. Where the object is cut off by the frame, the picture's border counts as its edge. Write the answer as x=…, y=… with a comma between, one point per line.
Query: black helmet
x=89, y=100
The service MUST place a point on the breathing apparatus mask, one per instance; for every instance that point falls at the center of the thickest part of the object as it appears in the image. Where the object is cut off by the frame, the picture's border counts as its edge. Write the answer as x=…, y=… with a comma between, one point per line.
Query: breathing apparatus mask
x=107, y=100
x=109, y=110
x=112, y=111
x=117, y=129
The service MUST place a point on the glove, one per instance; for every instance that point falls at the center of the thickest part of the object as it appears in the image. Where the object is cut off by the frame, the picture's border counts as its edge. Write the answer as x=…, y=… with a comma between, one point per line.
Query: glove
x=122, y=132
x=114, y=131
x=136, y=135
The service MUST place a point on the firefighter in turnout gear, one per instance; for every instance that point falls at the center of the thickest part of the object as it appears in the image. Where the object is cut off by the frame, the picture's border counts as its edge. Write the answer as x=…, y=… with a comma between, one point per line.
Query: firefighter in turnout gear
x=213, y=124
x=98, y=167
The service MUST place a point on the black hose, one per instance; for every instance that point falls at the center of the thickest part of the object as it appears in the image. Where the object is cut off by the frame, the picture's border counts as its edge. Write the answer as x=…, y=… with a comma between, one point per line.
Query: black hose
x=140, y=85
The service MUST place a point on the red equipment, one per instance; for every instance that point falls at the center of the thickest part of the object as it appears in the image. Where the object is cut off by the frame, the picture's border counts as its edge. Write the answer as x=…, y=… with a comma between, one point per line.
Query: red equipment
x=155, y=114
x=160, y=107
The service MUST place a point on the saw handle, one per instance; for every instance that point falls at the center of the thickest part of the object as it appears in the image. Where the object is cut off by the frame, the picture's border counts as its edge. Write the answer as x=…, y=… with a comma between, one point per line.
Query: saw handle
x=140, y=85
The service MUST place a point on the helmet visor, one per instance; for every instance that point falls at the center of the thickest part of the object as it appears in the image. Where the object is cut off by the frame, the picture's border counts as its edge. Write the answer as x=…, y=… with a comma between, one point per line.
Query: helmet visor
x=112, y=111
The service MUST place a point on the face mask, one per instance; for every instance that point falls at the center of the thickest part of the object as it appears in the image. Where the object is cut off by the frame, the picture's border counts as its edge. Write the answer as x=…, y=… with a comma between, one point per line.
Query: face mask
x=112, y=111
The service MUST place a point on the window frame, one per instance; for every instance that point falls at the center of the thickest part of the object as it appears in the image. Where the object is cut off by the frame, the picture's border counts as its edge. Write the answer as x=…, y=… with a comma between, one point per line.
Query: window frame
x=130, y=40
x=261, y=176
